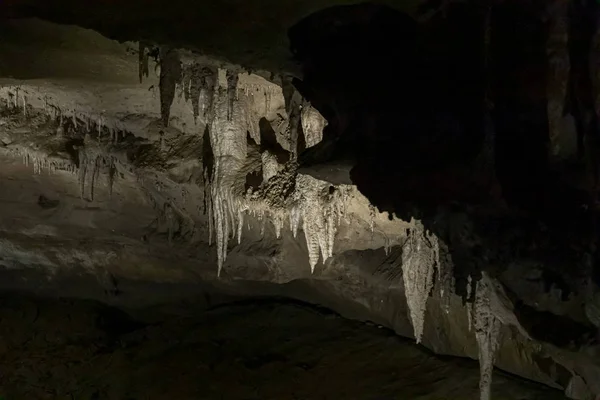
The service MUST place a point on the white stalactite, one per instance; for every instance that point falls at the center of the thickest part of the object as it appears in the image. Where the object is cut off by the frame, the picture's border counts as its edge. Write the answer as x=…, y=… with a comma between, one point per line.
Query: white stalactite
x=487, y=333
x=420, y=256
x=313, y=125
x=41, y=161
x=91, y=159
x=270, y=166
x=469, y=304
x=307, y=203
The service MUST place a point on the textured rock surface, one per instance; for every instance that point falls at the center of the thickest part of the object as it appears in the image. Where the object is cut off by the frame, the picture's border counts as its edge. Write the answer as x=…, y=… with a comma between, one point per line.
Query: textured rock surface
x=97, y=180
x=250, y=349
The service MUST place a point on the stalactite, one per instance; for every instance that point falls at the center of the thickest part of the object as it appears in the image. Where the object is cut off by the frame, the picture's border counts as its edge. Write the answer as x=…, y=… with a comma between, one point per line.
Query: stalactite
x=313, y=205
x=91, y=159
x=209, y=84
x=445, y=276
x=232, y=86
x=195, y=88
x=41, y=161
x=170, y=76
x=295, y=216
x=24, y=105
x=557, y=50
x=387, y=246
x=228, y=143
x=143, y=55
x=16, y=98
x=487, y=333
x=321, y=206
x=419, y=258
x=469, y=303
x=313, y=125
x=270, y=166
x=268, y=96
x=372, y=214
x=171, y=221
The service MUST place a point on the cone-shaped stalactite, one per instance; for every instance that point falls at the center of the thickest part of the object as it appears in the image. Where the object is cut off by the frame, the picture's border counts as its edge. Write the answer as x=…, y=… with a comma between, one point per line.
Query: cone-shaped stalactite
x=293, y=107
x=208, y=83
x=420, y=257
x=487, y=333
x=195, y=88
x=170, y=76
x=91, y=160
x=313, y=125
x=143, y=54
x=228, y=143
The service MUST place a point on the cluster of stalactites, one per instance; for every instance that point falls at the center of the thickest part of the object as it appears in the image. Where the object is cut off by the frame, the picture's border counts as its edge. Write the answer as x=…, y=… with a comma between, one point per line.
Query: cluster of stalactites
x=15, y=98
x=314, y=206
x=78, y=121
x=227, y=132
x=91, y=161
x=321, y=208
x=307, y=203
x=420, y=257
x=41, y=161
x=198, y=85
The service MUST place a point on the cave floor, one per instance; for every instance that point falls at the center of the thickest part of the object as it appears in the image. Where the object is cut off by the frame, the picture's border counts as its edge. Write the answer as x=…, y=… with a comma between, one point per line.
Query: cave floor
x=259, y=349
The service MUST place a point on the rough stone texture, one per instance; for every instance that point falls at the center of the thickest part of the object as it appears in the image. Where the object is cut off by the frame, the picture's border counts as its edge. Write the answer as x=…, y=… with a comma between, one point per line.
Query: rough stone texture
x=158, y=191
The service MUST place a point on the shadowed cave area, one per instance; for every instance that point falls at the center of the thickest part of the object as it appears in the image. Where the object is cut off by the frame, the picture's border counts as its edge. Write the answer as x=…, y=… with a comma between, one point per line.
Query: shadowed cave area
x=262, y=201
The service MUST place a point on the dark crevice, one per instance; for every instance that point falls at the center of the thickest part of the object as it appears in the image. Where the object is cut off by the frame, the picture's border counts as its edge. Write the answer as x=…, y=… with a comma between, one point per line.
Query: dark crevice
x=560, y=331
x=406, y=106
x=439, y=128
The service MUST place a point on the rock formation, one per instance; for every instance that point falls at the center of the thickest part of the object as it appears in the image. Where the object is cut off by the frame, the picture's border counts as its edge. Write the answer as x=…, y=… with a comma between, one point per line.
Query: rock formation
x=465, y=226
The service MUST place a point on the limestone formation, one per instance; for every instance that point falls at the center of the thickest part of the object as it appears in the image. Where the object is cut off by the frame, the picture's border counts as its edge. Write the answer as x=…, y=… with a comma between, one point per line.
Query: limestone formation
x=197, y=170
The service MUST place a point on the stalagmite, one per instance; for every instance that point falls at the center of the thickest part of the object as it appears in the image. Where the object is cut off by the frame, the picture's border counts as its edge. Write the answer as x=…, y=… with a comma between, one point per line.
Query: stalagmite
x=313, y=125
x=487, y=333
x=419, y=258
